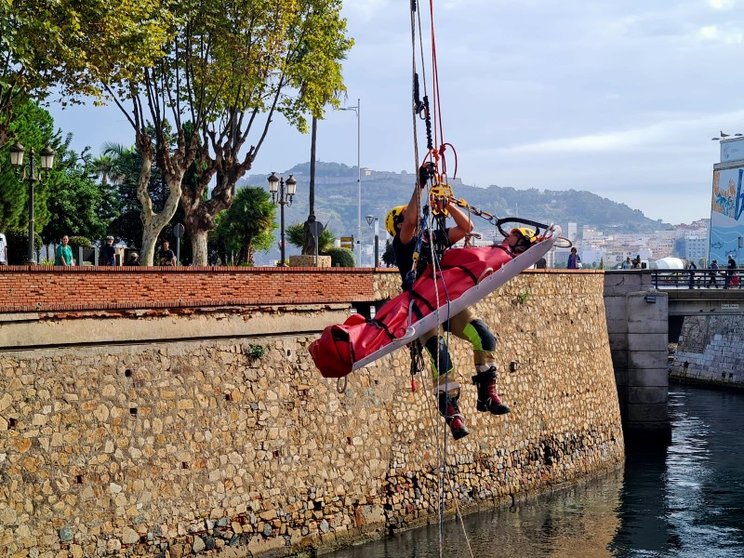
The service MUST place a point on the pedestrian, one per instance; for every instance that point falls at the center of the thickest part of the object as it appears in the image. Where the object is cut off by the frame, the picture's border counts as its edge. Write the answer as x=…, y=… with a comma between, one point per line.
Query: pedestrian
x=402, y=222
x=713, y=275
x=627, y=264
x=167, y=257
x=108, y=252
x=573, y=259
x=693, y=268
x=730, y=270
x=133, y=259
x=63, y=253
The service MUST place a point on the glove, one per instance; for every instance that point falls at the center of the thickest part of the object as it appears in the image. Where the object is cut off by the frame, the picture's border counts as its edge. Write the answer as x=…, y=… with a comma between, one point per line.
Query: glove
x=426, y=171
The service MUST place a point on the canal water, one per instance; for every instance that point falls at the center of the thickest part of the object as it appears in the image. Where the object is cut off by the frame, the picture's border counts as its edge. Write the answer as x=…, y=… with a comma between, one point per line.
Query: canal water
x=687, y=501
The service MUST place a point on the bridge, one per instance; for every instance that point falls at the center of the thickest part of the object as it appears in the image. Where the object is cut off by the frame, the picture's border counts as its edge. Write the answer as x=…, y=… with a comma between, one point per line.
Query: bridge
x=646, y=310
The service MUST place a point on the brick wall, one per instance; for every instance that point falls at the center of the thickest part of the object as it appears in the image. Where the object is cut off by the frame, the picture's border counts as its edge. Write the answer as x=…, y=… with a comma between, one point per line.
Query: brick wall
x=44, y=288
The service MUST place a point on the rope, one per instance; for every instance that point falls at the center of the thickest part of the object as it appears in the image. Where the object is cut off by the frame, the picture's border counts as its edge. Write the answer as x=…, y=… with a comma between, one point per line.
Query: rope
x=435, y=225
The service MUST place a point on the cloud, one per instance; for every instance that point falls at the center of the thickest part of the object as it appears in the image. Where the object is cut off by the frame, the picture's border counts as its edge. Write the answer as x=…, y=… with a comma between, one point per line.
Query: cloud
x=662, y=133
x=713, y=33
x=722, y=4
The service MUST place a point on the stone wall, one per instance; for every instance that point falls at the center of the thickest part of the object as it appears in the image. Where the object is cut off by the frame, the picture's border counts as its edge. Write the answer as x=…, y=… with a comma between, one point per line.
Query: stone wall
x=237, y=446
x=710, y=351
x=638, y=327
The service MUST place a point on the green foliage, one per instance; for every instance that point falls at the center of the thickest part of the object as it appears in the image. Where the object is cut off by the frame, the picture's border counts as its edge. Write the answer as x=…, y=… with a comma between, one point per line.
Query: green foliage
x=77, y=203
x=18, y=245
x=75, y=47
x=341, y=257
x=522, y=297
x=76, y=242
x=34, y=128
x=246, y=227
x=255, y=351
x=296, y=237
x=388, y=256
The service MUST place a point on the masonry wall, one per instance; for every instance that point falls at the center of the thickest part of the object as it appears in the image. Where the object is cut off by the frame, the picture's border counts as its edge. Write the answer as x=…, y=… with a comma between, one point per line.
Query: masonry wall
x=237, y=446
x=710, y=351
x=46, y=288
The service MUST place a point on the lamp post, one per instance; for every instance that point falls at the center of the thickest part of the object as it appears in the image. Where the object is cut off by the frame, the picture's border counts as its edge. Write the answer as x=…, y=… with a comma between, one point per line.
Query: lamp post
x=371, y=219
x=357, y=110
x=16, y=160
x=282, y=196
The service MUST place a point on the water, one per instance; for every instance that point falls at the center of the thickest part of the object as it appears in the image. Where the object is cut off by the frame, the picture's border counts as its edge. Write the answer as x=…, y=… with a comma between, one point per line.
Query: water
x=685, y=502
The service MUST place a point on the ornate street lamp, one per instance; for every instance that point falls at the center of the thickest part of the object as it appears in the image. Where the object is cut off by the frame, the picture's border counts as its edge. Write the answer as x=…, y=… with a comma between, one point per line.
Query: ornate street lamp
x=282, y=193
x=29, y=172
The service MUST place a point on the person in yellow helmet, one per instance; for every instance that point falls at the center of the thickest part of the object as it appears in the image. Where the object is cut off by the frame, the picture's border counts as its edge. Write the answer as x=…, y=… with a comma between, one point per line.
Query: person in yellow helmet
x=401, y=222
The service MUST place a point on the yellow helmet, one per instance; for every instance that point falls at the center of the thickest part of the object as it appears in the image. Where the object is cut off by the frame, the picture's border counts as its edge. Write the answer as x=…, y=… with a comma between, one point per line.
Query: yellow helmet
x=527, y=237
x=394, y=216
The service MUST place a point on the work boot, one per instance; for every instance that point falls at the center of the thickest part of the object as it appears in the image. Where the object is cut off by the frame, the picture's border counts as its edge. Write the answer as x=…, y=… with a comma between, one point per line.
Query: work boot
x=451, y=412
x=488, y=399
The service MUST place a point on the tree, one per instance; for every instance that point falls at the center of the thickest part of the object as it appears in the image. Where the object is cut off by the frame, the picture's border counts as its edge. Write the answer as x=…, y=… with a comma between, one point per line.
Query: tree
x=75, y=47
x=34, y=128
x=77, y=203
x=229, y=68
x=246, y=227
x=296, y=237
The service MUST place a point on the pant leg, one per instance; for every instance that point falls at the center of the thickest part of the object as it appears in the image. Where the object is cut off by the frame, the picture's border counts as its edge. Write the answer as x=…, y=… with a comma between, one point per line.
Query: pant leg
x=441, y=363
x=467, y=326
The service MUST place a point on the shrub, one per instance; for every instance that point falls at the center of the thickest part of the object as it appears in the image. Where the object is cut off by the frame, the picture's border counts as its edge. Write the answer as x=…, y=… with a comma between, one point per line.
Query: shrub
x=76, y=242
x=340, y=257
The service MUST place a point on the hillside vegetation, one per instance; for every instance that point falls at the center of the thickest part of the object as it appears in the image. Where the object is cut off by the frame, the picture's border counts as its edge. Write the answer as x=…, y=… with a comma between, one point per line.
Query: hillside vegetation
x=336, y=201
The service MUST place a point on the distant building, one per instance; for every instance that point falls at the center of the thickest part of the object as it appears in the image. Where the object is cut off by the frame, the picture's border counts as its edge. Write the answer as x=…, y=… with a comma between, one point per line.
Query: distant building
x=572, y=231
x=693, y=248
x=727, y=202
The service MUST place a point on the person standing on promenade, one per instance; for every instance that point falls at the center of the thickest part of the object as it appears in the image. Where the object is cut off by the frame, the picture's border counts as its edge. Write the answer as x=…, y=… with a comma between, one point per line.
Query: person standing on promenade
x=108, y=252
x=573, y=259
x=63, y=253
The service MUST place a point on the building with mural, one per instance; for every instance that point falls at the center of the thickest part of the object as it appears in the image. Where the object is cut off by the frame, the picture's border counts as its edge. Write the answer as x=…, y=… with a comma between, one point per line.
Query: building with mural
x=727, y=203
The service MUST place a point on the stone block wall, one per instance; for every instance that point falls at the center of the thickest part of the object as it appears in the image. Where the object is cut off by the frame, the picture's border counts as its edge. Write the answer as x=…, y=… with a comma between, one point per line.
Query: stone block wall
x=637, y=323
x=710, y=351
x=238, y=446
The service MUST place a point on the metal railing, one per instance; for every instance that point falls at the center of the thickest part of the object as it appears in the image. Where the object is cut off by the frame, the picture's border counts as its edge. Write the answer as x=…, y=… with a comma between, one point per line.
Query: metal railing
x=696, y=279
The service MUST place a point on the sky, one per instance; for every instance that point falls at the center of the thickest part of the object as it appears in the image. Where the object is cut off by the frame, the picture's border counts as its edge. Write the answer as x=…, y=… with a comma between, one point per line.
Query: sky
x=618, y=98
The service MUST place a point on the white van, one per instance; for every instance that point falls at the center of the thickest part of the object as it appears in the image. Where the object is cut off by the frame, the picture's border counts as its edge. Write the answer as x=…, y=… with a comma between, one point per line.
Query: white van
x=3, y=250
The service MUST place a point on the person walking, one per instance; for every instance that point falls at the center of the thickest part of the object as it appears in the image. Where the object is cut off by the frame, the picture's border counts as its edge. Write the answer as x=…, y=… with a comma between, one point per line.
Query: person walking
x=713, y=275
x=693, y=268
x=730, y=270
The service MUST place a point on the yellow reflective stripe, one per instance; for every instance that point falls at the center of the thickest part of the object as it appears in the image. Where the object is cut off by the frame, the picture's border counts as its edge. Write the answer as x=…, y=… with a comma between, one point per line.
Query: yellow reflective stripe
x=472, y=335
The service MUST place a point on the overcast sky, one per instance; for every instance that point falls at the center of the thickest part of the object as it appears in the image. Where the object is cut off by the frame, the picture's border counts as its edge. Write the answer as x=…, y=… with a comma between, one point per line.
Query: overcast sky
x=619, y=98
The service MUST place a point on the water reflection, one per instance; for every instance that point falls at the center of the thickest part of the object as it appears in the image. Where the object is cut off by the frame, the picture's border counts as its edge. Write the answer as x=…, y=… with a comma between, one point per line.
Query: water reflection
x=683, y=502
x=578, y=522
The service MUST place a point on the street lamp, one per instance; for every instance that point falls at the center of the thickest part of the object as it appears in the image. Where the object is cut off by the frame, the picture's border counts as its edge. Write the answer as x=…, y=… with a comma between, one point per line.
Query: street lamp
x=371, y=219
x=16, y=160
x=357, y=110
x=282, y=196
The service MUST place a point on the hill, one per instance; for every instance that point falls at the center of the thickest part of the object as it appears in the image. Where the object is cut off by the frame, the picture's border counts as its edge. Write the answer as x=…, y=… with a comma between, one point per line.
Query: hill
x=336, y=201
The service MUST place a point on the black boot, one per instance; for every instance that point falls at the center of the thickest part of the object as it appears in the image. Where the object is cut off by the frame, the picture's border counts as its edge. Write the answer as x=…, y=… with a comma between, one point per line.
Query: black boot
x=488, y=399
x=451, y=412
